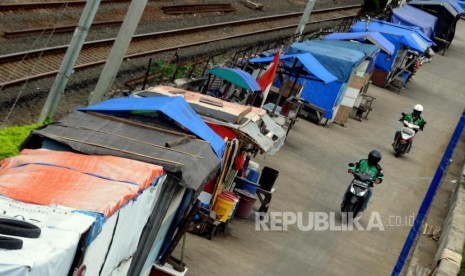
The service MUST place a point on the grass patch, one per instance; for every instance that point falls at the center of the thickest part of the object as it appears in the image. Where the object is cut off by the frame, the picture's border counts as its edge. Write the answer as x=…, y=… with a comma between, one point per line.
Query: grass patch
x=12, y=137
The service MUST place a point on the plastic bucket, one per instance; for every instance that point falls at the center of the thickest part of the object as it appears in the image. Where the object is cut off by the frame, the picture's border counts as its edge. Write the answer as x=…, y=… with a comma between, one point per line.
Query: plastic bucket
x=245, y=205
x=234, y=198
x=223, y=207
x=253, y=175
x=268, y=178
x=245, y=184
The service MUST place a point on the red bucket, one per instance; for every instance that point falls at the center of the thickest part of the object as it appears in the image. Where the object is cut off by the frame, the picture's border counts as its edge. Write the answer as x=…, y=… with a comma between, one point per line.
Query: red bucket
x=245, y=205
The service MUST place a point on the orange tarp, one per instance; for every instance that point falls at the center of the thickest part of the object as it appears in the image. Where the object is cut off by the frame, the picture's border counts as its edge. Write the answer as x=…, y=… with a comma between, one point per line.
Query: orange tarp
x=72, y=185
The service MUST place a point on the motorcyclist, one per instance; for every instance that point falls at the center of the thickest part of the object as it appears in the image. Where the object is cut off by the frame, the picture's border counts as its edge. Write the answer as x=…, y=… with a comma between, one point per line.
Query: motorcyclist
x=413, y=118
x=371, y=166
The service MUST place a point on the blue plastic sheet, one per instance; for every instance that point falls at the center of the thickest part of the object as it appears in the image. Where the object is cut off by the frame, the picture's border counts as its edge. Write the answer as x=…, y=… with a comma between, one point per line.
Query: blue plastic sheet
x=369, y=50
x=399, y=36
x=461, y=4
x=174, y=107
x=410, y=37
x=337, y=60
x=411, y=16
x=309, y=62
x=453, y=8
x=373, y=37
x=323, y=96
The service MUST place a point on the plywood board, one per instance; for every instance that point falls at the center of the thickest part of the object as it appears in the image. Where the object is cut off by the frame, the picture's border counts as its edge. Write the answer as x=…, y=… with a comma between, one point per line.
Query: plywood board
x=342, y=114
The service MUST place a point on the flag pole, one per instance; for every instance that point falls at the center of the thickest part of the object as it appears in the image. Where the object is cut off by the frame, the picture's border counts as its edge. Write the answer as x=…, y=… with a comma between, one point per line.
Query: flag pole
x=281, y=90
x=268, y=87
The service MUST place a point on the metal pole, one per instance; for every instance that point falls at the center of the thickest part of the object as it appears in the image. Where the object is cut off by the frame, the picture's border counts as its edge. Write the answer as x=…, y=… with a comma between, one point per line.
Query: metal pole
x=280, y=92
x=72, y=54
x=120, y=47
x=147, y=74
x=303, y=20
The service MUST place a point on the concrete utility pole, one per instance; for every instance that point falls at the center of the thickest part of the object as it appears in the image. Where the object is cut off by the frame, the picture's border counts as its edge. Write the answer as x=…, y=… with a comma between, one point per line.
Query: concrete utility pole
x=72, y=54
x=304, y=20
x=120, y=47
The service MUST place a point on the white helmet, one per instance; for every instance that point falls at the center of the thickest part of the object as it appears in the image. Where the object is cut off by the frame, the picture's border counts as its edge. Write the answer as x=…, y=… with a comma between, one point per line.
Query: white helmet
x=418, y=108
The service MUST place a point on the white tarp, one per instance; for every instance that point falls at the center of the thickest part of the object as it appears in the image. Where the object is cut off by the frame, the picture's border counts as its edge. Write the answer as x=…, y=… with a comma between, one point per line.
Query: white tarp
x=116, y=244
x=53, y=251
x=167, y=221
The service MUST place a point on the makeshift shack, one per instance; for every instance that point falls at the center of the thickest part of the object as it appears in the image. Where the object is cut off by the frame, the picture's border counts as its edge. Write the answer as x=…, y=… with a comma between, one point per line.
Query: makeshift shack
x=252, y=124
x=448, y=14
x=341, y=62
x=145, y=130
x=300, y=69
x=404, y=38
x=355, y=95
x=91, y=210
x=410, y=16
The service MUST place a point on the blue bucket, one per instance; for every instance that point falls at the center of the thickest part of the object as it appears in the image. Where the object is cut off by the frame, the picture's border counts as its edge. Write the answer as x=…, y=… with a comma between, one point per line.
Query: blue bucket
x=245, y=184
x=253, y=175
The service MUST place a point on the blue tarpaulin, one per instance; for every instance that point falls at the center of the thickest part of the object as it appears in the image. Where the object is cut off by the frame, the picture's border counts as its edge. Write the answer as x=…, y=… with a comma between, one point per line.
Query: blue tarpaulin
x=373, y=37
x=309, y=62
x=175, y=108
x=451, y=6
x=337, y=60
x=340, y=61
x=410, y=16
x=454, y=4
x=399, y=36
x=408, y=36
x=369, y=50
x=323, y=96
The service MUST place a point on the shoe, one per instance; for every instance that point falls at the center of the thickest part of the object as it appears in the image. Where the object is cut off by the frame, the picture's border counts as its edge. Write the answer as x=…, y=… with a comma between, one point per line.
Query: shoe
x=403, y=88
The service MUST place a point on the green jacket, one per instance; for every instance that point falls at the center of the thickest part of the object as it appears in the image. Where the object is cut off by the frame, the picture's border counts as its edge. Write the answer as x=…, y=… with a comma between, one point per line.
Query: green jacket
x=363, y=167
x=419, y=121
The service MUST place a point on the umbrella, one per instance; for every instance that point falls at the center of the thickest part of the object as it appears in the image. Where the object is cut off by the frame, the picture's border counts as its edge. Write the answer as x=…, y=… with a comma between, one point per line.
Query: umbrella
x=237, y=77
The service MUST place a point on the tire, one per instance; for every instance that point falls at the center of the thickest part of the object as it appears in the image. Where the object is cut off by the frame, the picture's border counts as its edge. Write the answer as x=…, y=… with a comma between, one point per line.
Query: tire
x=397, y=154
x=13, y=227
x=10, y=243
x=349, y=208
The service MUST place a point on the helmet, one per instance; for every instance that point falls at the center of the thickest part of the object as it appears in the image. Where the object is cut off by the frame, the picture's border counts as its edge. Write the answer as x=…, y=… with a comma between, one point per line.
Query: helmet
x=417, y=109
x=374, y=157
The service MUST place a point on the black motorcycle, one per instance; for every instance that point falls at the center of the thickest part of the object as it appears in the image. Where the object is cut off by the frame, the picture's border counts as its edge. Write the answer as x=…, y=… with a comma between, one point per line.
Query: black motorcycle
x=356, y=193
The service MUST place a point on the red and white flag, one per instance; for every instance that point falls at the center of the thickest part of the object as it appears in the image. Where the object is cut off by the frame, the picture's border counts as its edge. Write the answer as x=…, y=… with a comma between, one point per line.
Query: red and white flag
x=266, y=79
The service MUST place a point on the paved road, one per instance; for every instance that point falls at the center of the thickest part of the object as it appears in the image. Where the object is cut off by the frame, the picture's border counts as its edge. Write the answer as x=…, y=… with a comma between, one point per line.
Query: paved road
x=312, y=178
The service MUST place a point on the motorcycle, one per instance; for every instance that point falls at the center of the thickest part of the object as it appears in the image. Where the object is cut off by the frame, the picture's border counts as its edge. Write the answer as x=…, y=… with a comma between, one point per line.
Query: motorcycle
x=402, y=143
x=357, y=192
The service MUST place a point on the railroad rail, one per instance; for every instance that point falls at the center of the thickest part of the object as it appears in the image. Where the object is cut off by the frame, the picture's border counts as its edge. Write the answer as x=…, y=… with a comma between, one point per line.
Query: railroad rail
x=199, y=8
x=59, y=29
x=20, y=67
x=51, y=5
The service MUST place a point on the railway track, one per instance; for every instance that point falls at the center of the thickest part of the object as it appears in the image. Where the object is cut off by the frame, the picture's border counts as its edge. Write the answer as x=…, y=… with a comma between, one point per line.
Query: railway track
x=20, y=67
x=60, y=29
x=50, y=5
x=197, y=8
